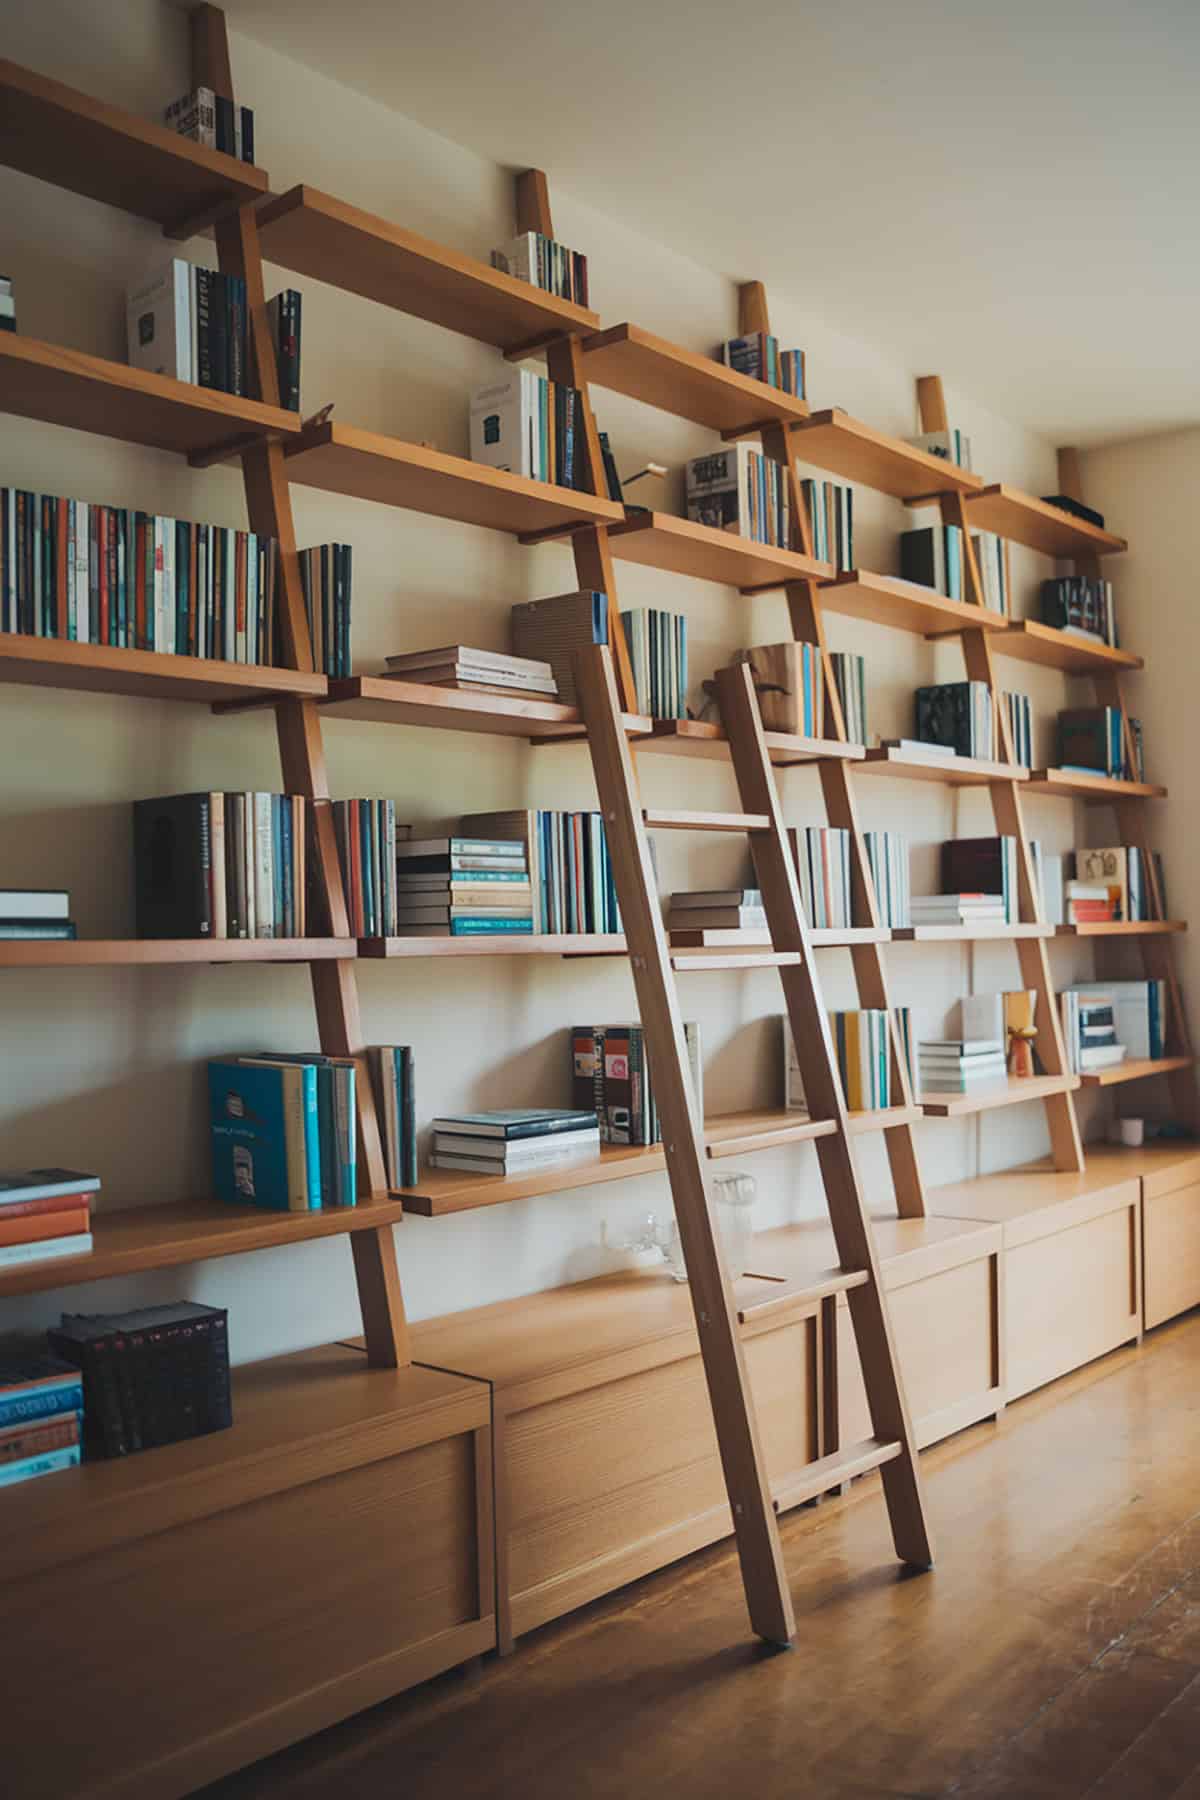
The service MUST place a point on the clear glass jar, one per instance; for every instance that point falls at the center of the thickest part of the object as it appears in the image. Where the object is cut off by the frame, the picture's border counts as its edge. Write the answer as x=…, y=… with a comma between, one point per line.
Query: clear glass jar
x=734, y=1195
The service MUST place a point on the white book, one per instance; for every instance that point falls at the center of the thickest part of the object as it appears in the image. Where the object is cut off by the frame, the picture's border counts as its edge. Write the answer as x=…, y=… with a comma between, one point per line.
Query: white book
x=481, y=1166
x=166, y=618
x=501, y=423
x=264, y=886
x=34, y=903
x=515, y=1153
x=78, y=1244
x=216, y=842
x=983, y=1017
x=158, y=322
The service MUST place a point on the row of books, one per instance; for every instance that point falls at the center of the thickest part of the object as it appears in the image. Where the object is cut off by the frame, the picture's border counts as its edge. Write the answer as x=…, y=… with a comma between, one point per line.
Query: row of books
x=36, y=913
x=931, y=554
x=862, y=1049
x=220, y=866
x=757, y=353
x=530, y=426
x=41, y=1412
x=789, y=679
x=367, y=844
x=610, y=1073
x=45, y=1214
x=1090, y=1031
x=463, y=887
x=957, y=715
x=951, y=446
x=213, y=120
x=475, y=671
x=1020, y=726
x=393, y=1078
x=570, y=869
x=830, y=506
x=150, y=1377
x=1139, y=1013
x=738, y=489
x=284, y=1131
x=546, y=264
x=1081, y=605
x=822, y=856
x=888, y=861
x=1093, y=738
x=976, y=874
x=520, y=1141
x=850, y=680
x=1118, y=870
x=326, y=576
x=960, y=1066
x=193, y=325
x=657, y=643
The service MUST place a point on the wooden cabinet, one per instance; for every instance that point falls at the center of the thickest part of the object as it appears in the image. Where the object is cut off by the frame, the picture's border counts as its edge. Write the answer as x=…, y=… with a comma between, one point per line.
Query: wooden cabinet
x=1170, y=1230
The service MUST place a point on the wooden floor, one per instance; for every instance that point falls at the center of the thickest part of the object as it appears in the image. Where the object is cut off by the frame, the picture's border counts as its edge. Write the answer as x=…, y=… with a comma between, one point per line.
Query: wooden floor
x=1053, y=1652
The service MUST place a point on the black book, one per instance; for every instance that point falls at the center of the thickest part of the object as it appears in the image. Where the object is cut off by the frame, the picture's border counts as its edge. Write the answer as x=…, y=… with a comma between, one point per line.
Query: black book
x=943, y=716
x=611, y=477
x=205, y=366
x=1076, y=508
x=408, y=1118
x=247, y=135
x=172, y=854
x=918, y=556
x=87, y=1344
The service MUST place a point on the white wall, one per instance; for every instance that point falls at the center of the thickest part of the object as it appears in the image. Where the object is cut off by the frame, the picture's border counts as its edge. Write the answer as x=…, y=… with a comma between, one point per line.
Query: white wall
x=104, y=1068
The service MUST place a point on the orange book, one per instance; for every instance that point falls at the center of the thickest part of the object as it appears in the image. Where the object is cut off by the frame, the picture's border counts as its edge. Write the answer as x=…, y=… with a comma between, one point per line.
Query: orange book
x=37, y=1437
x=50, y=1225
x=57, y=1203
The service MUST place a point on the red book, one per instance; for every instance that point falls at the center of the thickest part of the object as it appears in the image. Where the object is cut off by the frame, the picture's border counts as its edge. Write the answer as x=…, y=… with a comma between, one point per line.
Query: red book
x=36, y=1209
x=36, y=1230
x=37, y=1437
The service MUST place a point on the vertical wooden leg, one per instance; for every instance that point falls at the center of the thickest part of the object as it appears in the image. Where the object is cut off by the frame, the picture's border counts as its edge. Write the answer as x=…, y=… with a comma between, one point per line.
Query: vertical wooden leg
x=384, y=1325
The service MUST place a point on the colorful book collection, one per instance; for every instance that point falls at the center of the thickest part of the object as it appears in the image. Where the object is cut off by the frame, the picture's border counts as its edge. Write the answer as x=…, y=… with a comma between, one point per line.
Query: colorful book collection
x=41, y=1412
x=570, y=869
x=961, y=1065
x=283, y=1131
x=213, y=120
x=740, y=490
x=931, y=555
x=1087, y=903
x=657, y=643
x=951, y=446
x=150, y=1377
x=1020, y=726
x=862, y=1049
x=822, y=857
x=520, y=1141
x=1084, y=607
x=957, y=715
x=789, y=680
x=472, y=671
x=192, y=324
x=888, y=861
x=545, y=264
x=393, y=1078
x=850, y=680
x=830, y=507
x=220, y=866
x=1118, y=870
x=555, y=628
x=532, y=427
x=366, y=835
x=610, y=1072
x=757, y=354
x=1091, y=738
x=36, y=913
x=326, y=575
x=45, y=1214
x=1089, y=1026
x=463, y=887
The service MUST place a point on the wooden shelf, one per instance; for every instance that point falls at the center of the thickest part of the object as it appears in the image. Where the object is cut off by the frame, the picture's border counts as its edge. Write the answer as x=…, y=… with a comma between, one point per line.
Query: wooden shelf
x=1026, y=520
x=388, y=702
x=684, y=548
x=635, y=362
x=906, y=606
x=505, y=943
x=1122, y=928
x=88, y=393
x=820, y=938
x=967, y=934
x=1031, y=641
x=1005, y=1093
x=833, y=440
x=164, y=1237
x=88, y=953
x=314, y=234
x=105, y=153
x=146, y=674
x=699, y=737
x=1136, y=1069
x=1082, y=784
x=885, y=1118
x=954, y=771
x=340, y=459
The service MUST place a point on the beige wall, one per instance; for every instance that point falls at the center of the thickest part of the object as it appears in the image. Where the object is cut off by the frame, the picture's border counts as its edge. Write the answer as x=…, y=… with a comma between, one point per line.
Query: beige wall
x=104, y=1068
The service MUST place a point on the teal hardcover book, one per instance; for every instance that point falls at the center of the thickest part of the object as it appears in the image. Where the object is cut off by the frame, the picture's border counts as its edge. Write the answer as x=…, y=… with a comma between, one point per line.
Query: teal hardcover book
x=259, y=1120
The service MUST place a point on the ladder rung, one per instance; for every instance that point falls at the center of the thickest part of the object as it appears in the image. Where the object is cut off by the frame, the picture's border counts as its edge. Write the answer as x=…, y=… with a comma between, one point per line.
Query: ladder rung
x=702, y=961
x=830, y=1471
x=705, y=821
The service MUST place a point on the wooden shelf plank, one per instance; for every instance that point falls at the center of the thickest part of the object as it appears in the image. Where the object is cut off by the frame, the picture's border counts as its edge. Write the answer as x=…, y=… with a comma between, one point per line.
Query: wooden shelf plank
x=1083, y=784
x=966, y=934
x=386, y=701
x=682, y=547
x=707, y=962
x=1136, y=1069
x=648, y=368
x=314, y=234
x=88, y=393
x=1004, y=1093
x=340, y=459
x=189, y=1231
x=884, y=1118
x=563, y=943
x=1031, y=641
x=88, y=953
x=700, y=737
x=85, y=145
x=954, y=771
x=740, y=1134
x=820, y=937
x=833, y=440
x=1026, y=520
x=1122, y=928
x=146, y=674
x=660, y=819
x=907, y=606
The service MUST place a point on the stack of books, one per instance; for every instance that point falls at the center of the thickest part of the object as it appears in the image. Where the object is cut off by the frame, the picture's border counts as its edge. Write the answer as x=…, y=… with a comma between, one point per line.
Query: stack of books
x=326, y=579
x=41, y=1412
x=757, y=353
x=570, y=870
x=951, y=446
x=1090, y=1030
x=822, y=857
x=521, y=1141
x=658, y=653
x=556, y=628
x=191, y=324
x=959, y=716
x=1090, y=738
x=738, y=489
x=545, y=264
x=958, y=909
x=610, y=1072
x=1088, y=903
x=960, y=1066
x=850, y=679
x=984, y=866
x=863, y=1051
x=720, y=909
x=283, y=1131
x=888, y=860
x=532, y=427
x=45, y=1214
x=789, y=680
x=213, y=120
x=394, y=1081
x=97, y=574
x=831, y=516
x=1139, y=1013
x=150, y=1377
x=1118, y=869
x=366, y=834
x=1084, y=607
x=463, y=887
x=476, y=671
x=36, y=913
x=220, y=866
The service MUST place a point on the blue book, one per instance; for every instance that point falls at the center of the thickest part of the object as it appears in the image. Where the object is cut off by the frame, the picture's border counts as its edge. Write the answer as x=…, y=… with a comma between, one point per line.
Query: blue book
x=32, y=1466
x=485, y=927
x=37, y=1386
x=263, y=1121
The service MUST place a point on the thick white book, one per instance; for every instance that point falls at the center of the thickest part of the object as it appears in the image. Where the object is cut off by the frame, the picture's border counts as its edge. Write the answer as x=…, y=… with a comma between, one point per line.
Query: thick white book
x=501, y=423
x=34, y=903
x=78, y=1244
x=158, y=322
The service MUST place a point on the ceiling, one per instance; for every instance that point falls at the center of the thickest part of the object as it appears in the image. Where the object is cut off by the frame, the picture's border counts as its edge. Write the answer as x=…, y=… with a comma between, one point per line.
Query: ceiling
x=1004, y=192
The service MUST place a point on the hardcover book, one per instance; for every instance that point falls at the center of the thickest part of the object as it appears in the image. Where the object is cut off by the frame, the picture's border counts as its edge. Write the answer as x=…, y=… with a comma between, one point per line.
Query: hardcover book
x=263, y=1121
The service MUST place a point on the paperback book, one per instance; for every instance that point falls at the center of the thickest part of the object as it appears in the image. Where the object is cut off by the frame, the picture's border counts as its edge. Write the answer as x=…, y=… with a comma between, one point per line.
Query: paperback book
x=283, y=1131
x=367, y=844
x=610, y=1071
x=476, y=671
x=658, y=653
x=520, y=1141
x=41, y=913
x=41, y=1411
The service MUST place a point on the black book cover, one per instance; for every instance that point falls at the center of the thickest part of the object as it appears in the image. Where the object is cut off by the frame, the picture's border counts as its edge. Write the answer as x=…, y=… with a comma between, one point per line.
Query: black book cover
x=942, y=716
x=247, y=135
x=206, y=375
x=87, y=1344
x=1076, y=508
x=172, y=860
x=917, y=559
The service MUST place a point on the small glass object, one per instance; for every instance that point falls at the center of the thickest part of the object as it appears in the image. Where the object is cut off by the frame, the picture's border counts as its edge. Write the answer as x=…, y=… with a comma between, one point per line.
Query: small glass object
x=734, y=1195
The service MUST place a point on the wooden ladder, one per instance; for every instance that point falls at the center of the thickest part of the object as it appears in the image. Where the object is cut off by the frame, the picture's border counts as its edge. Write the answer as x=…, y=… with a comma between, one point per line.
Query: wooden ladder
x=892, y=1449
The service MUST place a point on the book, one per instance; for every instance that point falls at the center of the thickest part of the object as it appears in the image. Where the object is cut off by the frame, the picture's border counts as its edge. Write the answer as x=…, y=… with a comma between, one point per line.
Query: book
x=529, y=426
x=1020, y=726
x=985, y=865
x=369, y=846
x=822, y=857
x=152, y=1376
x=568, y=863
x=718, y=918
x=1091, y=737
x=79, y=1243
x=44, y=905
x=552, y=630
x=213, y=120
x=757, y=354
x=931, y=554
x=335, y=1147
x=393, y=1075
x=546, y=264
x=830, y=508
x=850, y=679
x=611, y=1072
x=191, y=324
x=220, y=866
x=739, y=489
x=957, y=715
x=789, y=681
x=951, y=446
x=888, y=861
x=263, y=1127
x=8, y=305
x=461, y=666
x=326, y=581
x=1077, y=509
x=862, y=1049
x=658, y=655
x=19, y=1187
x=518, y=1122
x=283, y=321
x=494, y=1156
x=1139, y=1011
